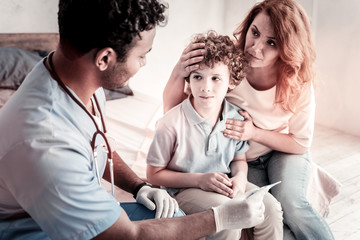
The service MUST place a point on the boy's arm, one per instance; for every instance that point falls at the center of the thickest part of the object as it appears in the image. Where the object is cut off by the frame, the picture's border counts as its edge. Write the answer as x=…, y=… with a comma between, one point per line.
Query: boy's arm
x=239, y=170
x=162, y=176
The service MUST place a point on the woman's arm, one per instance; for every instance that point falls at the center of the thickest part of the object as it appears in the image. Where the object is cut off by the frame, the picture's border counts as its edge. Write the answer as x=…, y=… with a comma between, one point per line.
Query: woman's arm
x=217, y=182
x=246, y=130
x=174, y=90
x=239, y=170
x=278, y=141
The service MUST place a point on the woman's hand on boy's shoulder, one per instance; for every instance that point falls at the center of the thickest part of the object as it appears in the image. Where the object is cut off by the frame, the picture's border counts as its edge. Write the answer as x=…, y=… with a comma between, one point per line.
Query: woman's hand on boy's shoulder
x=240, y=130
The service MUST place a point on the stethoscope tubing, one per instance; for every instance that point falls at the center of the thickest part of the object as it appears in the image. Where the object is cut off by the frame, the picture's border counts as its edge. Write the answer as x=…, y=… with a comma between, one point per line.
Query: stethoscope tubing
x=98, y=131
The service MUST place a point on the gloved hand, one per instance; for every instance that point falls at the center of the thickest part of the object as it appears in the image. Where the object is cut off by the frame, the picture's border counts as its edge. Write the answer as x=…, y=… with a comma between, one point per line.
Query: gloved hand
x=159, y=199
x=244, y=211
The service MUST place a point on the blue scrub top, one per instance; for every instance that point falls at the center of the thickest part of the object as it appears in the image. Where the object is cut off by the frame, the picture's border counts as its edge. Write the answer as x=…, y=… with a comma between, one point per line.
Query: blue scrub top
x=47, y=164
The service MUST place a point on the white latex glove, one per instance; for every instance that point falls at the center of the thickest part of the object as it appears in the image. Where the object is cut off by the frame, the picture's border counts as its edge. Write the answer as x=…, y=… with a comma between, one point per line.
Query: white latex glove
x=244, y=211
x=159, y=199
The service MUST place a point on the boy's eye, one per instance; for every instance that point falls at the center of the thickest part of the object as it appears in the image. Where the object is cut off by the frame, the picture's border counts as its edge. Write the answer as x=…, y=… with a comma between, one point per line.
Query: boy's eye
x=197, y=77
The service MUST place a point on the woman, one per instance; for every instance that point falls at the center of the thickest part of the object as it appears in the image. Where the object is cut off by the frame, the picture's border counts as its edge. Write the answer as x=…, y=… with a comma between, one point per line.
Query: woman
x=278, y=99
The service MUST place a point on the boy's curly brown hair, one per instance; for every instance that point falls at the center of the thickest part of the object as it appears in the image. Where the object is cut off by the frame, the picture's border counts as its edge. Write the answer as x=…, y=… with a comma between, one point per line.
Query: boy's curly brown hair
x=220, y=48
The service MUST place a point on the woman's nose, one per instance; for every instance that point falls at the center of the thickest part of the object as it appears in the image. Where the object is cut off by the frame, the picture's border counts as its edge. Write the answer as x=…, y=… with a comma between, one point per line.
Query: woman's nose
x=258, y=46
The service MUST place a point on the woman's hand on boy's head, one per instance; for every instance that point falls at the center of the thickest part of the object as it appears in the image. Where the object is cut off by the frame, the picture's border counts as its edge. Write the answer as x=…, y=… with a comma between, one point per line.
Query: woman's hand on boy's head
x=240, y=130
x=190, y=59
x=215, y=182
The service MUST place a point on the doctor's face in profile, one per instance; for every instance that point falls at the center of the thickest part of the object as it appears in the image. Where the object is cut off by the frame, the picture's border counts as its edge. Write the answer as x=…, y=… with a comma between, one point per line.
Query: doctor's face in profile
x=118, y=76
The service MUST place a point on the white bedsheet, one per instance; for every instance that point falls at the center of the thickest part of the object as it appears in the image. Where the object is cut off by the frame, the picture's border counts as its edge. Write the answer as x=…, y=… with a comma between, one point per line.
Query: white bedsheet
x=131, y=122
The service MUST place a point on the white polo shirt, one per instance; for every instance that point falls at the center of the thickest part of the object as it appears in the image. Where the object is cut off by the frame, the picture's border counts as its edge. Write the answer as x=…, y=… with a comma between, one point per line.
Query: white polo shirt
x=185, y=142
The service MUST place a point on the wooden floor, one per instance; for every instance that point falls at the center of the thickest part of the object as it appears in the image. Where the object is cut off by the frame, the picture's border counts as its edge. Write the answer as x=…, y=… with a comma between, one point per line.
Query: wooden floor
x=339, y=154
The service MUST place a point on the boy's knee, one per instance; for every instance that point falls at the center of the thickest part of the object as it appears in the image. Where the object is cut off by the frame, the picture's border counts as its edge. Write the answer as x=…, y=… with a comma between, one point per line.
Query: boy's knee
x=273, y=209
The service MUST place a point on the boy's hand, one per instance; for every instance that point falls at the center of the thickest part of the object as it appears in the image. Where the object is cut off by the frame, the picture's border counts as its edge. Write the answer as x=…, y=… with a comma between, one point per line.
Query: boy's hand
x=238, y=186
x=216, y=182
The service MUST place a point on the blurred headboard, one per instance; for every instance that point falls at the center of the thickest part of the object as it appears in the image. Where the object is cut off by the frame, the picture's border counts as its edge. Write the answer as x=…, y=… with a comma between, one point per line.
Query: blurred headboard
x=30, y=41
x=11, y=77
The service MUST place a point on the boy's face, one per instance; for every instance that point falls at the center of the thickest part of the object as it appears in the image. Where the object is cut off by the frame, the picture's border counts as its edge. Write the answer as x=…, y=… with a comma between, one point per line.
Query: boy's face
x=209, y=86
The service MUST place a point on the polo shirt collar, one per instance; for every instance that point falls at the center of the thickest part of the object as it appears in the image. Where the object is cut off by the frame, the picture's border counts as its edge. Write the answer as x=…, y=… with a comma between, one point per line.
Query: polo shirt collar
x=194, y=118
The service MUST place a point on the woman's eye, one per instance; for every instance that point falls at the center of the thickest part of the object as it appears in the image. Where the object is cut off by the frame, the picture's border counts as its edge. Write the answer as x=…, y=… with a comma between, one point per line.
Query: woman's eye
x=254, y=32
x=271, y=43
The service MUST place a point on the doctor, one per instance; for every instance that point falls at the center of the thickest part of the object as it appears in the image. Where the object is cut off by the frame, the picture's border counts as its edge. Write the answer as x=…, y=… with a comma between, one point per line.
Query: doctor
x=53, y=145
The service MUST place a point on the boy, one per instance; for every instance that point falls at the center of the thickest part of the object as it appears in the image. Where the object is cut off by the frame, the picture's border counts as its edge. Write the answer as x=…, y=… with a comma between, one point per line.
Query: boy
x=191, y=157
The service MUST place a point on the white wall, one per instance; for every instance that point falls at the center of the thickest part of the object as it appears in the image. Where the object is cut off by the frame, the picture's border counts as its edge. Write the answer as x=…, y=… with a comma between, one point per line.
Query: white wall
x=336, y=33
x=338, y=63
x=28, y=16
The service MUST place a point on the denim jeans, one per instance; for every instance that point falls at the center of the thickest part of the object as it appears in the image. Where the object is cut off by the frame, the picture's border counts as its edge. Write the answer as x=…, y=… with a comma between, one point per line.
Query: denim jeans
x=293, y=171
x=137, y=212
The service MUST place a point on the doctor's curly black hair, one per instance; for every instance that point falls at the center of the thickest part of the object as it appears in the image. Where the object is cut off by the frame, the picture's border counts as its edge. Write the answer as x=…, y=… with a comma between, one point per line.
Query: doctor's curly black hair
x=89, y=24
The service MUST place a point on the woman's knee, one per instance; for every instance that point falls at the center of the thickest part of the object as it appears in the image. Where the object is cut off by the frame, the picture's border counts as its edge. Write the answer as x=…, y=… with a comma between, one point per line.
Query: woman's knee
x=291, y=198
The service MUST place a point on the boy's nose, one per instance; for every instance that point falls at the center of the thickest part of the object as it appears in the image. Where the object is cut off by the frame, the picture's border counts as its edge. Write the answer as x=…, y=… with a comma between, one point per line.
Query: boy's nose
x=206, y=87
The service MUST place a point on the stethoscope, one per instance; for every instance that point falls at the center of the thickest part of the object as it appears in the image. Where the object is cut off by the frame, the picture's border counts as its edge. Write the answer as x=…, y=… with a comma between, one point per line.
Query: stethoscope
x=98, y=131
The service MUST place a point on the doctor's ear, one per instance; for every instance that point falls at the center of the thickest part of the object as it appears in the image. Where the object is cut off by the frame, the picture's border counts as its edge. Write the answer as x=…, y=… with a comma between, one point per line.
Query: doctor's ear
x=105, y=57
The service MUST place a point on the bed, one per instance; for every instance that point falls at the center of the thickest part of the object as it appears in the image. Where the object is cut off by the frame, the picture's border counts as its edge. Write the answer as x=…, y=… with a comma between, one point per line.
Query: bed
x=130, y=115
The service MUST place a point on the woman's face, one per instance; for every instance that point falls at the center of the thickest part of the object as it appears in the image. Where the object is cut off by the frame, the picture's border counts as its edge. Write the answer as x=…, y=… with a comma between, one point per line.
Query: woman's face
x=261, y=49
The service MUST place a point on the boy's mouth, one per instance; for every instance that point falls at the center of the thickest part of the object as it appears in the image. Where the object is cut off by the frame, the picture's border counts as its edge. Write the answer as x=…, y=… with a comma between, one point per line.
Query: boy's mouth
x=206, y=97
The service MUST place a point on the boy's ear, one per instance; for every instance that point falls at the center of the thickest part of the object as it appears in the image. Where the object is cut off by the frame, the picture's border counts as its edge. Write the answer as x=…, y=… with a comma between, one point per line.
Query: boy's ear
x=187, y=89
x=105, y=57
x=232, y=86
